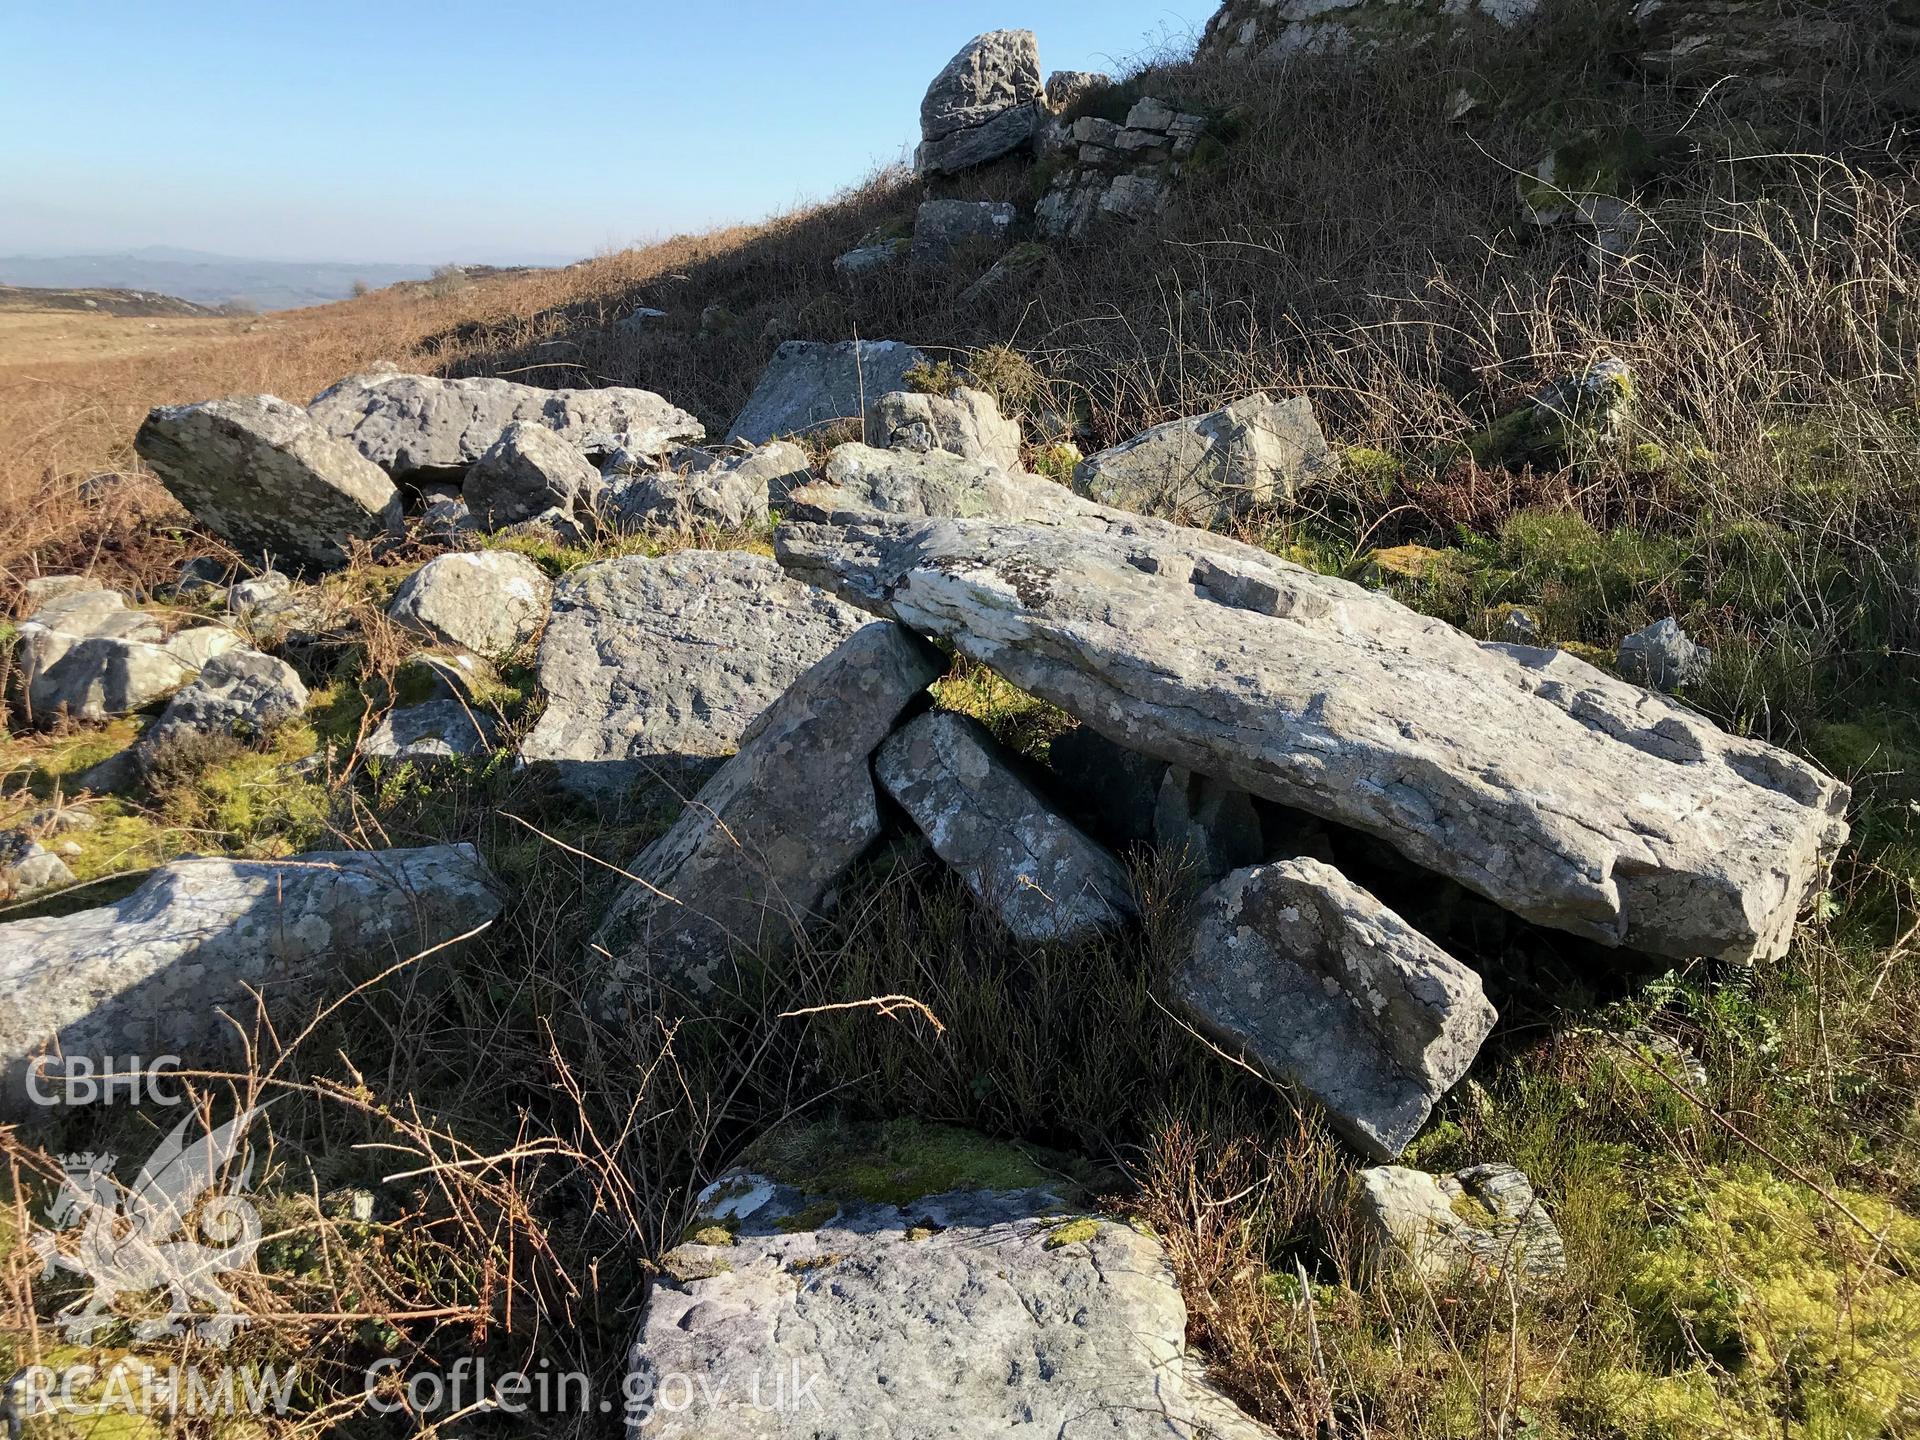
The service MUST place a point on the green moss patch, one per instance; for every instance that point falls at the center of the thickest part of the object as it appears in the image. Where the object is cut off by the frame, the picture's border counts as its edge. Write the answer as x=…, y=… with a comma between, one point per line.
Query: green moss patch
x=1071, y=1232
x=895, y=1163
x=1764, y=1298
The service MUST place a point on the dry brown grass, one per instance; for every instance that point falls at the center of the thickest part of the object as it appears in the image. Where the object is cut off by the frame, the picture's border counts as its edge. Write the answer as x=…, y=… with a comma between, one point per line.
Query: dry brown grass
x=73, y=390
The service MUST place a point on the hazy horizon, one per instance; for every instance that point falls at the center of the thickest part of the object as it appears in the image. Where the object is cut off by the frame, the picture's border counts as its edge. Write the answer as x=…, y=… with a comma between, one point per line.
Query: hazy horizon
x=409, y=136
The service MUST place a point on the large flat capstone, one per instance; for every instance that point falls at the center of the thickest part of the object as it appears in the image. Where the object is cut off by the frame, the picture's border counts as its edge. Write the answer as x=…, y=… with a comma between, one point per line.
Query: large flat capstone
x=1570, y=798
x=654, y=668
x=161, y=972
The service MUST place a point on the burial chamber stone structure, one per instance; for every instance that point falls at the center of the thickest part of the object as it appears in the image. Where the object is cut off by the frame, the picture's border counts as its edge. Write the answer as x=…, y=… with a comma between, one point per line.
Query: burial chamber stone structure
x=1570, y=798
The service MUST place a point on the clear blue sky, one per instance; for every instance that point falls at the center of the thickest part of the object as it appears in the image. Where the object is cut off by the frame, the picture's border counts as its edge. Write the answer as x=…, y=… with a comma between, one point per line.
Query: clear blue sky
x=419, y=131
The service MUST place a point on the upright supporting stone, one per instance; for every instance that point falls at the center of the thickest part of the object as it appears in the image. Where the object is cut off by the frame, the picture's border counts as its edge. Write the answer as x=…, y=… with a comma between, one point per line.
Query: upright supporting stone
x=1324, y=987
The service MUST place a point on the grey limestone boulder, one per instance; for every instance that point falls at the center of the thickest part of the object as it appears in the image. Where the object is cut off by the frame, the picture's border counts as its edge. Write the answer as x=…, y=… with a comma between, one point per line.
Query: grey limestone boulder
x=913, y=483
x=407, y=424
x=27, y=867
x=760, y=850
x=1573, y=799
x=987, y=102
x=1322, y=986
x=257, y=591
x=161, y=972
x=654, y=668
x=269, y=479
x=488, y=601
x=967, y=423
x=1256, y=451
x=1031, y=867
x=1007, y=132
x=198, y=645
x=1066, y=88
x=1483, y=1220
x=871, y=259
x=964, y=1313
x=240, y=694
x=528, y=472
x=85, y=656
x=809, y=385
x=730, y=490
x=43, y=589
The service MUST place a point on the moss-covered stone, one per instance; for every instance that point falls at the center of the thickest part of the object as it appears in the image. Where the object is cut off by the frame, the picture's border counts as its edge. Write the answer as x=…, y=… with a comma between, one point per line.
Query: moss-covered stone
x=1071, y=1232
x=898, y=1162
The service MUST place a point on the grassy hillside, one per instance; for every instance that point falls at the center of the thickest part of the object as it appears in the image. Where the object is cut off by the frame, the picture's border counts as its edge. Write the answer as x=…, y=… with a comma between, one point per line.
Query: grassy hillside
x=1743, y=1252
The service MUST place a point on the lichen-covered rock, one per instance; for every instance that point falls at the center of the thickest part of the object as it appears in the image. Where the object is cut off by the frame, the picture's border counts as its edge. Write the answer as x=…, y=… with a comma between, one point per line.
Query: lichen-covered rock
x=809, y=385
x=654, y=668
x=407, y=424
x=970, y=1312
x=1256, y=451
x=488, y=601
x=871, y=259
x=1031, y=867
x=967, y=423
x=759, y=851
x=987, y=102
x=257, y=590
x=1276, y=29
x=1570, y=416
x=1316, y=982
x=434, y=730
x=161, y=972
x=1663, y=656
x=527, y=472
x=240, y=694
x=84, y=656
x=269, y=479
x=1484, y=1220
x=44, y=589
x=198, y=645
x=941, y=227
x=1569, y=797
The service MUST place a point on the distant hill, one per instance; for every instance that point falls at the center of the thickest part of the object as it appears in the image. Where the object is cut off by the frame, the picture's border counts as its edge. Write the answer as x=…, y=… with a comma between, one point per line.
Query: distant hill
x=104, y=302
x=206, y=279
